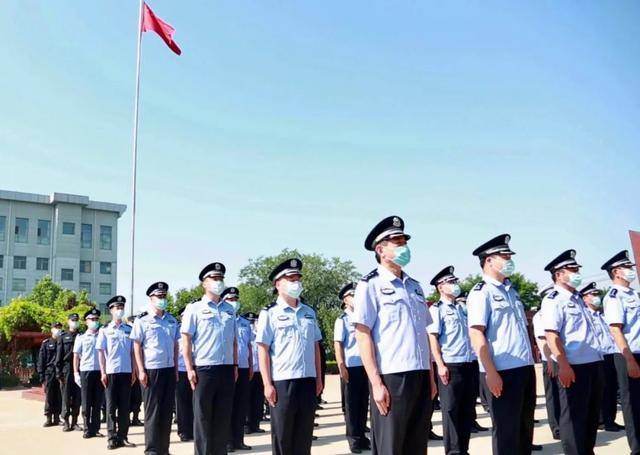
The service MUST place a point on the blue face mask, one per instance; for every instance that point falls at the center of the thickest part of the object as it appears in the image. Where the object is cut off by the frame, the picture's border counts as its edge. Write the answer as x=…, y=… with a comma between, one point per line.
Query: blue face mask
x=402, y=255
x=596, y=302
x=575, y=279
x=508, y=267
x=161, y=304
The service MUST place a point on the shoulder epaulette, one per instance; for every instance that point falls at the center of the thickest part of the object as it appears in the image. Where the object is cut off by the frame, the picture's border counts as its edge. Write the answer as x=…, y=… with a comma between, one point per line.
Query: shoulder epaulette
x=370, y=275
x=552, y=295
x=268, y=307
x=143, y=314
x=342, y=316
x=479, y=286
x=613, y=292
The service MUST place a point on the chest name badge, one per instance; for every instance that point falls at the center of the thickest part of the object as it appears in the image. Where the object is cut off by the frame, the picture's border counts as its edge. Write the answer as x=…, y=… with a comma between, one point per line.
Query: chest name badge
x=387, y=291
x=498, y=298
x=283, y=318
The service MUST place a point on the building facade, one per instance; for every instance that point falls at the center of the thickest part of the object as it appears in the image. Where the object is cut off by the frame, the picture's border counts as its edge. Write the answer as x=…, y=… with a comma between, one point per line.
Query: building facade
x=68, y=237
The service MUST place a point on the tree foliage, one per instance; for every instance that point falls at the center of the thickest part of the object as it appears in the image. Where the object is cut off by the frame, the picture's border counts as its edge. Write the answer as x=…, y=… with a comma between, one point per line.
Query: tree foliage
x=47, y=303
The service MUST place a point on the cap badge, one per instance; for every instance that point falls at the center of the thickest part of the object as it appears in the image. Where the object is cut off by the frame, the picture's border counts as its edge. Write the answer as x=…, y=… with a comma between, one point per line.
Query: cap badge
x=396, y=221
x=294, y=263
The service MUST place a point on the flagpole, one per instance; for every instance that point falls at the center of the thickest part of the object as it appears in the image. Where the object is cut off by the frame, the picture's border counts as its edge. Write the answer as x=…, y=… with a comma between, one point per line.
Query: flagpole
x=135, y=154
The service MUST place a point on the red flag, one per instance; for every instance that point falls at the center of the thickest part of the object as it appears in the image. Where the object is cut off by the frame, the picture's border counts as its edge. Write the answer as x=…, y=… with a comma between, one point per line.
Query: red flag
x=635, y=246
x=152, y=22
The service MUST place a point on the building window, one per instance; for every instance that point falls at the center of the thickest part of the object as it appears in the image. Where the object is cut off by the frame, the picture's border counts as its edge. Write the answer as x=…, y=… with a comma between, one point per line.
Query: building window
x=44, y=232
x=22, y=230
x=42, y=264
x=1, y=261
x=20, y=262
x=1, y=283
x=105, y=288
x=86, y=236
x=66, y=274
x=85, y=266
x=85, y=286
x=105, y=237
x=19, y=285
x=68, y=228
x=105, y=268
x=3, y=227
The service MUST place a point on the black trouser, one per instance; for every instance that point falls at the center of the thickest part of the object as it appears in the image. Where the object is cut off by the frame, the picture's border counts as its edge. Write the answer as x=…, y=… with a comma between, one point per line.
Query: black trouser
x=52, y=397
x=609, y=406
x=402, y=430
x=256, y=402
x=118, y=399
x=240, y=407
x=158, y=409
x=630, y=400
x=356, y=400
x=136, y=398
x=92, y=392
x=551, y=397
x=292, y=416
x=580, y=409
x=512, y=413
x=457, y=402
x=212, y=404
x=71, y=396
x=184, y=406
x=475, y=385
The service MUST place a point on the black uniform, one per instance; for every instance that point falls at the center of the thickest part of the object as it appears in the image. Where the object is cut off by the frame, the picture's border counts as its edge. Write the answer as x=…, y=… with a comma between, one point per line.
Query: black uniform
x=47, y=372
x=256, y=403
x=70, y=391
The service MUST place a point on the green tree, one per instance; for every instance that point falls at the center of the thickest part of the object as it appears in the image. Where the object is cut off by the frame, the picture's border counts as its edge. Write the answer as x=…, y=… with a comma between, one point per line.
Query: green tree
x=322, y=280
x=183, y=297
x=47, y=303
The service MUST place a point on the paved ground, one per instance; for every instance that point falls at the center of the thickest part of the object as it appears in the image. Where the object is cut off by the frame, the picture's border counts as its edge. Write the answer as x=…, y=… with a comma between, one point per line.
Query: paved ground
x=21, y=432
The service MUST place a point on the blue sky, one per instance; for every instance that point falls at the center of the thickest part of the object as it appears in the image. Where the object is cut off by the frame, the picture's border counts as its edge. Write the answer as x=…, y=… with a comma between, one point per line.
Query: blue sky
x=301, y=125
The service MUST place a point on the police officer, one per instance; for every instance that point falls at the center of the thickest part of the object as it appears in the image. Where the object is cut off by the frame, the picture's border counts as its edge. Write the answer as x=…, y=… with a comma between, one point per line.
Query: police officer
x=155, y=337
x=591, y=296
x=391, y=318
x=256, y=389
x=498, y=332
x=549, y=370
x=210, y=355
x=461, y=300
x=86, y=367
x=287, y=337
x=352, y=374
x=64, y=369
x=116, y=370
x=184, y=397
x=571, y=338
x=451, y=349
x=135, y=401
x=47, y=371
x=240, y=409
x=622, y=313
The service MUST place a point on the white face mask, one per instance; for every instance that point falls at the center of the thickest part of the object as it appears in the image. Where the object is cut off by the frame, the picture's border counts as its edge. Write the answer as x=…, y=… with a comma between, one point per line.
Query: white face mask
x=73, y=325
x=93, y=325
x=235, y=305
x=452, y=289
x=294, y=289
x=629, y=275
x=216, y=287
x=55, y=333
x=118, y=314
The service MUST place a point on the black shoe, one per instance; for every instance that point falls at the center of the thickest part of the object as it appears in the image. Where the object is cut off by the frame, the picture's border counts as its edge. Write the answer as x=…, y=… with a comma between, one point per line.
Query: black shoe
x=112, y=445
x=367, y=430
x=434, y=437
x=536, y=447
x=556, y=435
x=67, y=426
x=611, y=427
x=56, y=420
x=126, y=443
x=87, y=435
x=241, y=446
x=48, y=422
x=136, y=422
x=230, y=448
x=619, y=426
x=355, y=450
x=255, y=430
x=365, y=444
x=316, y=424
x=476, y=426
x=314, y=438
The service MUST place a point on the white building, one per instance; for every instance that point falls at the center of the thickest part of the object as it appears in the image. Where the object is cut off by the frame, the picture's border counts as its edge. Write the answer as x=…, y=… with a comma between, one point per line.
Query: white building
x=69, y=237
